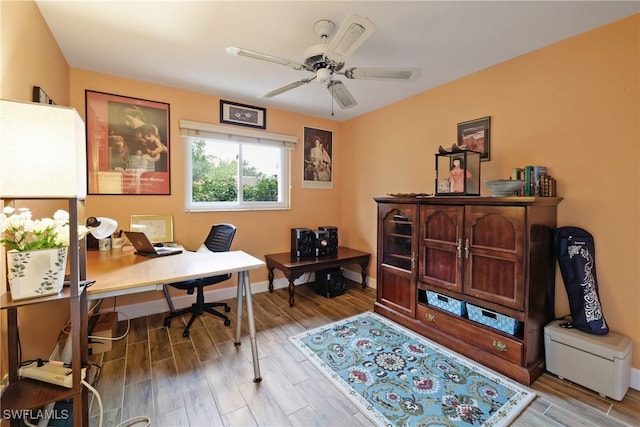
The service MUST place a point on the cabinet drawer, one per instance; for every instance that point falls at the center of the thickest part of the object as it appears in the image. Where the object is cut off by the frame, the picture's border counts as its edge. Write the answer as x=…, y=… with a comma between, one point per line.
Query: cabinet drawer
x=495, y=343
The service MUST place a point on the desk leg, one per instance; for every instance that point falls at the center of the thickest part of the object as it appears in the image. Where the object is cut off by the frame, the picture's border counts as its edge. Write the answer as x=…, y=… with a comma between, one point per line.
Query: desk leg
x=244, y=282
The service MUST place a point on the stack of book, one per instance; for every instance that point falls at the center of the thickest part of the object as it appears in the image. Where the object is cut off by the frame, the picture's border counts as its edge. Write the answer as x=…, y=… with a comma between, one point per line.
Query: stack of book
x=538, y=182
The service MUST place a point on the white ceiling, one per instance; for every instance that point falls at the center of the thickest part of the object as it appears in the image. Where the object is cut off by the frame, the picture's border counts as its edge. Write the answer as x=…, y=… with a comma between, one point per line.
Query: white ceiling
x=182, y=43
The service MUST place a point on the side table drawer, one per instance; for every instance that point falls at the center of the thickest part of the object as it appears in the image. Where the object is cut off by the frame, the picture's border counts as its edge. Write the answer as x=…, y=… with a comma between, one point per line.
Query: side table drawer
x=497, y=344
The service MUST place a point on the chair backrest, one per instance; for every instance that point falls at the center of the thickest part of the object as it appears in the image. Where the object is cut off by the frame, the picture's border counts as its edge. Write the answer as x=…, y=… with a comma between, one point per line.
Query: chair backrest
x=220, y=237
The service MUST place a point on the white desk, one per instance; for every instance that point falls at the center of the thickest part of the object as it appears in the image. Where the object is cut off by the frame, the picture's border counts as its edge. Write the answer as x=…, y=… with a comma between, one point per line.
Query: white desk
x=122, y=273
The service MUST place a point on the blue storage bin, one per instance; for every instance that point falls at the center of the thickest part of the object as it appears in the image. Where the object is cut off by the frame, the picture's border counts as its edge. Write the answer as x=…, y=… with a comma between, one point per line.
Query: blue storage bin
x=446, y=303
x=493, y=319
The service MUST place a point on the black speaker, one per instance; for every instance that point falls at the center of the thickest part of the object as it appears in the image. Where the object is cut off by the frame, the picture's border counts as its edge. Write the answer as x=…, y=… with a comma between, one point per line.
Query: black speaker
x=322, y=242
x=333, y=237
x=330, y=283
x=303, y=242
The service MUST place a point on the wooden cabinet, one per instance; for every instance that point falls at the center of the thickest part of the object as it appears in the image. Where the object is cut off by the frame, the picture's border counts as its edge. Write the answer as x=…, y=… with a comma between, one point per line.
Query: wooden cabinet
x=22, y=395
x=493, y=253
x=397, y=253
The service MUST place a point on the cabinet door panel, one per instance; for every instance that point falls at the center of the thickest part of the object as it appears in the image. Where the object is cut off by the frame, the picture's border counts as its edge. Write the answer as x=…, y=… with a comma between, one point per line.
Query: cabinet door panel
x=494, y=254
x=398, y=224
x=440, y=240
x=397, y=249
x=397, y=292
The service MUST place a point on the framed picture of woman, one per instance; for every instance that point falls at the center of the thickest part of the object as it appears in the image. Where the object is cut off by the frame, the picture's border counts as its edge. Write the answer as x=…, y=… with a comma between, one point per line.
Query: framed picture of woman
x=127, y=145
x=318, y=158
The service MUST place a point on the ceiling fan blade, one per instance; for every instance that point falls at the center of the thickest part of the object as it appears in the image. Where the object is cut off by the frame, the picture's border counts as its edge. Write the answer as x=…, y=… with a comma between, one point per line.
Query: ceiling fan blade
x=287, y=87
x=238, y=51
x=341, y=94
x=351, y=34
x=407, y=74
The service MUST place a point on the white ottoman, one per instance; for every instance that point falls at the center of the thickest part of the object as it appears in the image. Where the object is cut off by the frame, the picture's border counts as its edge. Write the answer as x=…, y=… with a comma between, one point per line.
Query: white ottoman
x=598, y=362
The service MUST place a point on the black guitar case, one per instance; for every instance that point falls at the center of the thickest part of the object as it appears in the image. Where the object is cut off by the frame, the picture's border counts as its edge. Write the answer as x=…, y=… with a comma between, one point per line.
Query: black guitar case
x=576, y=254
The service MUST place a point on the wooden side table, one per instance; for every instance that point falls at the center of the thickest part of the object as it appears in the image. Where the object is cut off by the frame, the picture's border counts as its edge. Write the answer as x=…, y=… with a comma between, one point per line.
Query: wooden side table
x=294, y=267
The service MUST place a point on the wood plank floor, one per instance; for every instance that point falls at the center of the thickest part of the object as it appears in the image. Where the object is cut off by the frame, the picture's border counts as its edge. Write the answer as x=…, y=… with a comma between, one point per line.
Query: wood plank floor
x=205, y=380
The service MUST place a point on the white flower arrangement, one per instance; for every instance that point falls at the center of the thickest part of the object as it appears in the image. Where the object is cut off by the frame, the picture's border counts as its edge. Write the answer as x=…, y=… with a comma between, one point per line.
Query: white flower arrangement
x=22, y=233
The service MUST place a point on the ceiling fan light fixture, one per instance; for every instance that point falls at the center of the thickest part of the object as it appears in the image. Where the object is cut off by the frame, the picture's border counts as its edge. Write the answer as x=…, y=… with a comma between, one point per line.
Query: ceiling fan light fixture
x=323, y=75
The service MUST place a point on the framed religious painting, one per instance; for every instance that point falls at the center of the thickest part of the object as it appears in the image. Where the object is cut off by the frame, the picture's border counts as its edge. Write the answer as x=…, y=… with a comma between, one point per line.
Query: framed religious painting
x=475, y=135
x=318, y=158
x=128, y=147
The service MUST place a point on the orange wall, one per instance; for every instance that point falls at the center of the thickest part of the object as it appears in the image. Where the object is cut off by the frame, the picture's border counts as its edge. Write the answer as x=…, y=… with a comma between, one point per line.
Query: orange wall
x=573, y=106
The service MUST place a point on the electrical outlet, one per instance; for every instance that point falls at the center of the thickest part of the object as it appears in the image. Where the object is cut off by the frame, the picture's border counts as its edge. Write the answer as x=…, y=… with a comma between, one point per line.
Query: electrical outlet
x=53, y=374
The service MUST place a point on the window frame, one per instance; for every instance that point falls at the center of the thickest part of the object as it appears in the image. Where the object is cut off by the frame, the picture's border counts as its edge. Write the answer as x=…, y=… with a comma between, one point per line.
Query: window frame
x=192, y=131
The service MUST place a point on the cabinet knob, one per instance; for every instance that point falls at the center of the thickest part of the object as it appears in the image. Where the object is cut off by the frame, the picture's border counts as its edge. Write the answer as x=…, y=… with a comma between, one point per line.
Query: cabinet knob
x=459, y=248
x=430, y=317
x=499, y=345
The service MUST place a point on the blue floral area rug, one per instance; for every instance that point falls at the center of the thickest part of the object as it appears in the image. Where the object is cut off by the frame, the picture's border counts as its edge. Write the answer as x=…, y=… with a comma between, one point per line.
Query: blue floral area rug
x=399, y=378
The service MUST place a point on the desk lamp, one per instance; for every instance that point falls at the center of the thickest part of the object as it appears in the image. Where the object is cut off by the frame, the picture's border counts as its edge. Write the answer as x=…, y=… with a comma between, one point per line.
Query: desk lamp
x=101, y=227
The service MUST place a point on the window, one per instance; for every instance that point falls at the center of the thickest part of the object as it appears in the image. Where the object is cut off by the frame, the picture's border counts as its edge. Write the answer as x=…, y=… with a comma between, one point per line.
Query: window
x=235, y=169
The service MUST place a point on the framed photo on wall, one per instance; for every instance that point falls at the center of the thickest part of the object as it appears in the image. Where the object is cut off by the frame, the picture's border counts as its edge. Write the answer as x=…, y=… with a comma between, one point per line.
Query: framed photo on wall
x=243, y=115
x=318, y=158
x=475, y=135
x=128, y=145
x=158, y=228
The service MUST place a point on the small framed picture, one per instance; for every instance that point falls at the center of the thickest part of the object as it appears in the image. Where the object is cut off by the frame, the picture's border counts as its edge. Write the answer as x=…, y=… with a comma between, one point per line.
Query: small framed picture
x=475, y=135
x=158, y=228
x=40, y=96
x=243, y=115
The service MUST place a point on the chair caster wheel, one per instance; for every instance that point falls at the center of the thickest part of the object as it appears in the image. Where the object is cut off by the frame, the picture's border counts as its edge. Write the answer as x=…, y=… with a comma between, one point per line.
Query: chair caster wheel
x=167, y=323
x=227, y=308
x=185, y=334
x=227, y=322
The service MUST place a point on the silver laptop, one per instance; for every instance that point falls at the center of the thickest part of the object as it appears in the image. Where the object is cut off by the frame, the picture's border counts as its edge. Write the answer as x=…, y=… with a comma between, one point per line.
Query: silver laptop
x=143, y=246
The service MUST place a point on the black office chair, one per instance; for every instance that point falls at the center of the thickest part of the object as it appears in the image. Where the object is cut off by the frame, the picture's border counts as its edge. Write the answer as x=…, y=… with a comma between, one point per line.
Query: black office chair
x=218, y=240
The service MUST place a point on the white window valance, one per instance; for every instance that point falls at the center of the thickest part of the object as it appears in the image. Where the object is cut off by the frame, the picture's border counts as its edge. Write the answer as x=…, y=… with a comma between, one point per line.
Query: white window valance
x=229, y=133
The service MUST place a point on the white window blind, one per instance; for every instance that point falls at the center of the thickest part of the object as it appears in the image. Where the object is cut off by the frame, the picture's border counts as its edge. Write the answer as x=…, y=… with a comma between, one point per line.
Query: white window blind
x=251, y=136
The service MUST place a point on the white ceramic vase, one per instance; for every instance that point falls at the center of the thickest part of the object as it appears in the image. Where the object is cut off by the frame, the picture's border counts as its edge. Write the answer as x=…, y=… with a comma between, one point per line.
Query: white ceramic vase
x=36, y=273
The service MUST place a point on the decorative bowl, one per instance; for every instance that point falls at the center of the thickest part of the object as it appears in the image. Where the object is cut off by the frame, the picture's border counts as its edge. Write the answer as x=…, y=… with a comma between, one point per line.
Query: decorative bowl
x=504, y=187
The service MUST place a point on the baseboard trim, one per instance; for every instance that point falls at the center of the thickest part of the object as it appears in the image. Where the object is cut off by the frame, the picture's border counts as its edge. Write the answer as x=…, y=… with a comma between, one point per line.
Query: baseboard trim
x=133, y=311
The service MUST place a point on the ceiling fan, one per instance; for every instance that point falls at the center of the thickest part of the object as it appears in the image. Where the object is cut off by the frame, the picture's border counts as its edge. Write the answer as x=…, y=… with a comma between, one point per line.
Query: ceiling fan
x=327, y=60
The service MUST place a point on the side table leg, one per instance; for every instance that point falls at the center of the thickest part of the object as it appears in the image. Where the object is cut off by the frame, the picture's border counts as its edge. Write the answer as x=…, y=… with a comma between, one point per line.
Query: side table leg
x=364, y=276
x=292, y=290
x=270, y=278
